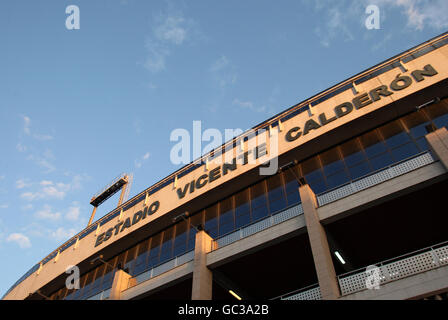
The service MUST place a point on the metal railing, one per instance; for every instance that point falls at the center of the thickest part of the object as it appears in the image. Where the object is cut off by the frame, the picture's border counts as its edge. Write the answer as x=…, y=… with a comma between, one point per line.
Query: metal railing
x=394, y=170
x=161, y=268
x=396, y=268
x=311, y=292
x=257, y=226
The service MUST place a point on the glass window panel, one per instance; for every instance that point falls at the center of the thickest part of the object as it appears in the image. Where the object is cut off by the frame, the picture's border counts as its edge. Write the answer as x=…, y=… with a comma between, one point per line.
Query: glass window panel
x=437, y=110
x=166, y=250
x=441, y=121
x=359, y=170
x=130, y=258
x=140, y=260
x=352, y=153
x=277, y=205
x=275, y=187
x=318, y=186
x=291, y=186
x=331, y=161
x=415, y=122
x=195, y=221
x=372, y=144
x=154, y=251
x=405, y=151
x=311, y=169
x=423, y=144
x=337, y=179
x=226, y=217
x=108, y=275
x=242, y=209
x=180, y=241
x=211, y=220
x=258, y=201
x=258, y=195
x=381, y=161
x=98, y=278
x=394, y=134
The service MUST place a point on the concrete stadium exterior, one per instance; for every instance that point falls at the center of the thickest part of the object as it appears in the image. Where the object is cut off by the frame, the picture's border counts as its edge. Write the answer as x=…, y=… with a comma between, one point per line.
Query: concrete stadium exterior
x=362, y=169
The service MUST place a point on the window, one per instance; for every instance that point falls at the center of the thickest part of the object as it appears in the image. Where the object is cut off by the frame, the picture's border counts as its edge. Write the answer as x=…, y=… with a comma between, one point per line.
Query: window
x=259, y=205
x=352, y=152
x=242, y=209
x=140, y=260
x=154, y=251
x=166, y=250
x=372, y=143
x=195, y=220
x=211, y=220
x=331, y=161
x=180, y=240
x=291, y=186
x=226, y=217
x=311, y=170
x=394, y=134
x=276, y=194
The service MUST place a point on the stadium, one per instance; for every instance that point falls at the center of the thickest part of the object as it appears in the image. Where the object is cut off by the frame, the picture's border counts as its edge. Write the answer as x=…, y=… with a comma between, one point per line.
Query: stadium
x=352, y=211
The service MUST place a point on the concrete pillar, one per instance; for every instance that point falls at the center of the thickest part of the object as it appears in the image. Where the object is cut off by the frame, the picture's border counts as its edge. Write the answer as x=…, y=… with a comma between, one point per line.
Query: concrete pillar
x=120, y=283
x=202, y=276
x=438, y=141
x=319, y=245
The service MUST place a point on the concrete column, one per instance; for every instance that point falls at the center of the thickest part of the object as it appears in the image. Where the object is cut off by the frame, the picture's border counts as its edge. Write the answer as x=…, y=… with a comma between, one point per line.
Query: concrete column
x=202, y=276
x=319, y=245
x=120, y=283
x=438, y=141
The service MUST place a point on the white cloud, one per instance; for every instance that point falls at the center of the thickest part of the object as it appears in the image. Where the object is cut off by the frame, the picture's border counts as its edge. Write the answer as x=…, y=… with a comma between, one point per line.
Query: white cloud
x=73, y=213
x=22, y=183
x=249, y=105
x=223, y=72
x=139, y=162
x=61, y=234
x=22, y=240
x=51, y=190
x=26, y=125
x=172, y=29
x=27, y=130
x=21, y=148
x=42, y=162
x=28, y=206
x=47, y=214
x=169, y=31
x=4, y=206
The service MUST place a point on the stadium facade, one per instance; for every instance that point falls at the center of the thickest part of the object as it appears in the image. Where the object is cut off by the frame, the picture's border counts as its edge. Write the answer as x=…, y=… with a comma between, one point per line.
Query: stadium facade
x=354, y=211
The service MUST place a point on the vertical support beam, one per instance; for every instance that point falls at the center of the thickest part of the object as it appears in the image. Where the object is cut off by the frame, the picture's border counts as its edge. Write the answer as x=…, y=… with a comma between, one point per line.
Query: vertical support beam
x=202, y=276
x=319, y=246
x=92, y=216
x=438, y=141
x=120, y=283
x=123, y=191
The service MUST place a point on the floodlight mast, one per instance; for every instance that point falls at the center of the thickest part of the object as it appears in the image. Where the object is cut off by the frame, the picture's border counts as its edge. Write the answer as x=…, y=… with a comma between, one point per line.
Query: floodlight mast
x=122, y=182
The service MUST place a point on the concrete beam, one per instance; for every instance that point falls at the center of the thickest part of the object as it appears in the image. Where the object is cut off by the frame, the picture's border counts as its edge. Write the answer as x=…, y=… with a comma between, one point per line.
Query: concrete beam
x=319, y=246
x=120, y=283
x=438, y=141
x=202, y=276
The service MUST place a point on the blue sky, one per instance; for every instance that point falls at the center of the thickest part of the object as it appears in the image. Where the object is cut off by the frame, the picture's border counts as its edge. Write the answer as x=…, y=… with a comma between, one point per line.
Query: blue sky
x=78, y=107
